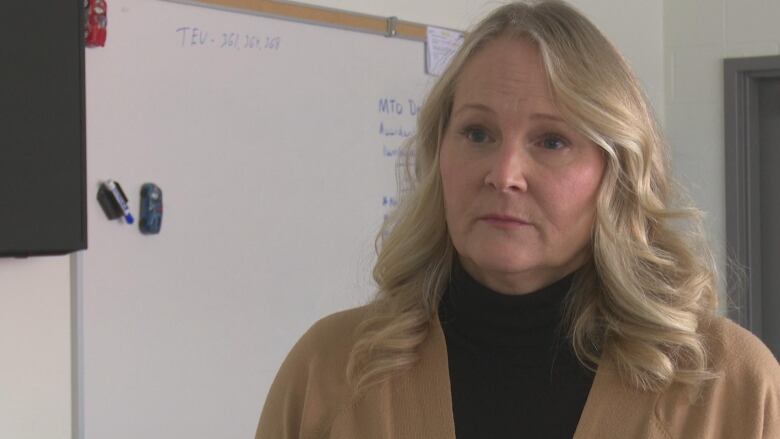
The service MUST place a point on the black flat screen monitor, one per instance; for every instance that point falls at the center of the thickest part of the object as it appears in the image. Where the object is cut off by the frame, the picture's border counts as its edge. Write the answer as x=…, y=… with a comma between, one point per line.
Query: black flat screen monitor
x=42, y=128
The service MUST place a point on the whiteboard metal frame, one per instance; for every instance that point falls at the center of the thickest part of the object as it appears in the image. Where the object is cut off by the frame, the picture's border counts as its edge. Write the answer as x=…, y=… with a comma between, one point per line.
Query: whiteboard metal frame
x=76, y=345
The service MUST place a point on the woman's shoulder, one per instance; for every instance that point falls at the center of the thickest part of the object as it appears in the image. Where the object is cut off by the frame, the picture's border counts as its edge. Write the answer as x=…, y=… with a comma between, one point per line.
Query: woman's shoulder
x=734, y=349
x=323, y=350
x=336, y=331
x=743, y=401
x=311, y=384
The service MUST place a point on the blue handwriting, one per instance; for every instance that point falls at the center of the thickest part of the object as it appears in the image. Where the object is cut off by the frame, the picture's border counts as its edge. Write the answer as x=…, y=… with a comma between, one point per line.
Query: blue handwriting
x=389, y=201
x=396, y=107
x=399, y=131
x=394, y=152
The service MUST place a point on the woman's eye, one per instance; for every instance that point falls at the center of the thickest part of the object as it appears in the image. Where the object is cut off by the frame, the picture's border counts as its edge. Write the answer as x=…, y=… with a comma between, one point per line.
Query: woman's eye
x=553, y=142
x=476, y=135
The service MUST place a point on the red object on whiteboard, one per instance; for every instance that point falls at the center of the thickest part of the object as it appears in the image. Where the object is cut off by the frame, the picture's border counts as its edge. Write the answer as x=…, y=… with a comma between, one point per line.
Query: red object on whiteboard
x=96, y=21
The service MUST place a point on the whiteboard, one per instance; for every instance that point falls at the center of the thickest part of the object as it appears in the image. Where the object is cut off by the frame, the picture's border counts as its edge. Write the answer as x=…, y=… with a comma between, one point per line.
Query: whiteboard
x=275, y=146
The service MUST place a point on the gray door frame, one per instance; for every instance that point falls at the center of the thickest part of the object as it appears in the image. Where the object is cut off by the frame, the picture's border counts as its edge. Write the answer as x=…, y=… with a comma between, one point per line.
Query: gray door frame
x=743, y=226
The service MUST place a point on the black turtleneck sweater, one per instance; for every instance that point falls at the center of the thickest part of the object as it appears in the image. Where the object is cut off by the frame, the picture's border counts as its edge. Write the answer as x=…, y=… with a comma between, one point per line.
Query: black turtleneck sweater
x=512, y=371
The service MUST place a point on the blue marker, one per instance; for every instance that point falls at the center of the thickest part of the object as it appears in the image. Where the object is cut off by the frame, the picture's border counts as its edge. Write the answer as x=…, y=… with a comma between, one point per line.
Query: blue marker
x=120, y=200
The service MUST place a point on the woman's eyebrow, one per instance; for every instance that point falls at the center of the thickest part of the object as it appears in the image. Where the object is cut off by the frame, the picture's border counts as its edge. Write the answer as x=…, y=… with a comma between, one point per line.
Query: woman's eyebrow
x=473, y=106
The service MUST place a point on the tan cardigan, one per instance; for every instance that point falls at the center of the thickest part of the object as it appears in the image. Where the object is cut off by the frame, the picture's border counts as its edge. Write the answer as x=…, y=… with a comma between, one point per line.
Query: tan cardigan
x=310, y=400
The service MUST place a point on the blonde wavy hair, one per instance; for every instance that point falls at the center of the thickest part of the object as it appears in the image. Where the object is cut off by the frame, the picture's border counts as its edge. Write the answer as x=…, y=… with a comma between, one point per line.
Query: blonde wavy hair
x=651, y=281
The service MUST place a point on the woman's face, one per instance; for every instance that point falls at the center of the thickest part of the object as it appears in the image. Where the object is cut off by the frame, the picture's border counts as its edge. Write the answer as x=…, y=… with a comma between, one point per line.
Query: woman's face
x=520, y=184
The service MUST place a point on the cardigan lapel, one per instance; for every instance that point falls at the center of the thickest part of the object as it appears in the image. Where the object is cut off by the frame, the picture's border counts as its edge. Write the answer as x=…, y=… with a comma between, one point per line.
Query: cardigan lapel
x=410, y=405
x=615, y=411
x=426, y=391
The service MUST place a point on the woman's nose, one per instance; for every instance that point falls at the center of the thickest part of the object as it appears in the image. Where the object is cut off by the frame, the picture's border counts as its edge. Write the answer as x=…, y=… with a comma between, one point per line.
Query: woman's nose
x=508, y=169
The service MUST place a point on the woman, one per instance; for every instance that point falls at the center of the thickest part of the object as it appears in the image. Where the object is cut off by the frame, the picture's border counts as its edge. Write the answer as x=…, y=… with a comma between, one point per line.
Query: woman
x=532, y=283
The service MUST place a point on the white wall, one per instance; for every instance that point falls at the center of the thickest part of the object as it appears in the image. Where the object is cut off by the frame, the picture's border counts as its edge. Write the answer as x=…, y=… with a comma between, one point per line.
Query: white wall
x=698, y=34
x=35, y=388
x=35, y=345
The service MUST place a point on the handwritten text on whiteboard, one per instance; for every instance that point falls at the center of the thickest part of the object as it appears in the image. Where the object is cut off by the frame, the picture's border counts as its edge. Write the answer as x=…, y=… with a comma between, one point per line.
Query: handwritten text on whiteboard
x=200, y=37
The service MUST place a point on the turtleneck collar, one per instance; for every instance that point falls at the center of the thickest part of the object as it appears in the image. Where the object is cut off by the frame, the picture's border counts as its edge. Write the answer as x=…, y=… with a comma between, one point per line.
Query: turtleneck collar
x=487, y=317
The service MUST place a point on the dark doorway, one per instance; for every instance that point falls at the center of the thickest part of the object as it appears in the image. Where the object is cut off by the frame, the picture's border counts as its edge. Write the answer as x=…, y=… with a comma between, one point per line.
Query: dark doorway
x=769, y=182
x=752, y=107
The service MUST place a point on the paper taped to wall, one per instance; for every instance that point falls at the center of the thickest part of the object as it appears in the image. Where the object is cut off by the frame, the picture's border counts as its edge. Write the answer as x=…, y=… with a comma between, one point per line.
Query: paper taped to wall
x=441, y=45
